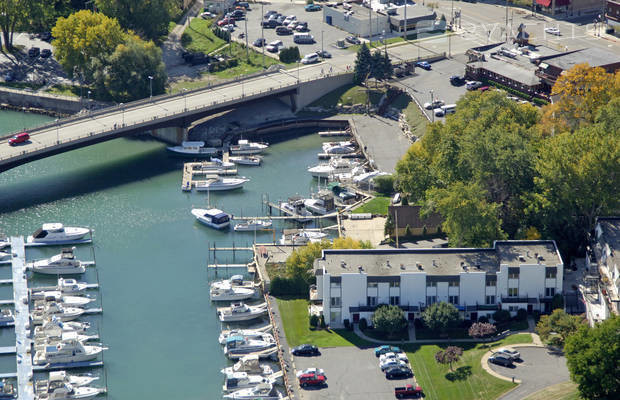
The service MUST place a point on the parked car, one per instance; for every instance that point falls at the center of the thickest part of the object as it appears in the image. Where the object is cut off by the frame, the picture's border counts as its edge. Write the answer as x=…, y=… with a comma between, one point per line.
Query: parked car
x=353, y=40
x=303, y=38
x=501, y=360
x=423, y=65
x=473, y=85
x=19, y=138
x=274, y=47
x=513, y=354
x=408, y=391
x=9, y=76
x=305, y=350
x=225, y=21
x=283, y=30
x=229, y=28
x=456, y=80
x=34, y=52
x=390, y=363
x=292, y=25
x=270, y=13
x=238, y=14
x=243, y=4
x=396, y=356
x=207, y=15
x=313, y=7
x=289, y=19
x=483, y=88
x=553, y=31
x=260, y=42
x=312, y=380
x=312, y=370
x=301, y=27
x=311, y=58
x=386, y=349
x=324, y=54
x=434, y=104
x=445, y=110
x=400, y=371
x=271, y=24
x=46, y=53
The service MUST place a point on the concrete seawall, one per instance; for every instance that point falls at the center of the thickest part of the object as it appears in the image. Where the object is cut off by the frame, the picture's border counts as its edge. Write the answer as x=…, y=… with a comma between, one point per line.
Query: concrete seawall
x=44, y=103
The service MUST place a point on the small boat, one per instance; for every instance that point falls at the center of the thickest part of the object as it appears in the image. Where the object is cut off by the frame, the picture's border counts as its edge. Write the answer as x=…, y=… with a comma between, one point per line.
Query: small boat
x=301, y=237
x=339, y=147
x=333, y=167
x=237, y=346
x=7, y=390
x=52, y=326
x=241, y=312
x=63, y=263
x=74, y=380
x=235, y=281
x=59, y=387
x=215, y=182
x=212, y=217
x=6, y=317
x=253, y=225
x=60, y=297
x=243, y=147
x=41, y=343
x=216, y=166
x=321, y=203
x=242, y=380
x=231, y=293
x=56, y=233
x=263, y=391
x=295, y=207
x=192, y=149
x=66, y=286
x=5, y=256
x=249, y=364
x=67, y=351
x=53, y=309
x=246, y=160
x=4, y=242
x=247, y=333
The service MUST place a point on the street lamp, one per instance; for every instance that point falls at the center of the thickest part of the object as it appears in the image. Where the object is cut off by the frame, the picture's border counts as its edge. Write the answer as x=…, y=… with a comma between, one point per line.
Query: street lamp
x=88, y=93
x=185, y=97
x=151, y=86
x=57, y=135
x=122, y=106
x=432, y=105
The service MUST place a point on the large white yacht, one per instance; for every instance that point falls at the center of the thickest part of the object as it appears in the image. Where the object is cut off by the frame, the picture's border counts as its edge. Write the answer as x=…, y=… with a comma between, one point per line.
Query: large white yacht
x=59, y=387
x=4, y=242
x=216, y=166
x=235, y=280
x=261, y=333
x=67, y=351
x=339, y=147
x=241, y=312
x=334, y=167
x=237, y=346
x=321, y=203
x=53, y=309
x=301, y=237
x=55, y=333
x=263, y=391
x=216, y=182
x=251, y=365
x=51, y=326
x=6, y=317
x=212, y=217
x=193, y=149
x=243, y=147
x=242, y=380
x=253, y=225
x=57, y=233
x=5, y=256
x=41, y=343
x=231, y=293
x=63, y=263
x=66, y=286
x=59, y=297
x=75, y=380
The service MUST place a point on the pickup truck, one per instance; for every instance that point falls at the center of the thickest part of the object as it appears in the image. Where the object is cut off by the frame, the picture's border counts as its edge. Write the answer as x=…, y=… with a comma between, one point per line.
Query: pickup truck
x=407, y=391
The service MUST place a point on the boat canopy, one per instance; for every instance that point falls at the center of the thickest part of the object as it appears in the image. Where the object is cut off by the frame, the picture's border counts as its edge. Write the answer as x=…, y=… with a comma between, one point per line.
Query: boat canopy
x=52, y=227
x=236, y=278
x=193, y=144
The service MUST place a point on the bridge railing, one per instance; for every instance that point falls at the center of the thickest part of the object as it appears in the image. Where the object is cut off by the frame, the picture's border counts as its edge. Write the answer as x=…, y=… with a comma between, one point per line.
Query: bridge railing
x=159, y=118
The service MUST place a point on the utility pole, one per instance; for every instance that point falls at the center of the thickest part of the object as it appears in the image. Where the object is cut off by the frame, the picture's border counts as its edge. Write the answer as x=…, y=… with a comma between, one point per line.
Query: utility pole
x=247, y=49
x=262, y=32
x=506, y=21
x=432, y=105
x=406, y=25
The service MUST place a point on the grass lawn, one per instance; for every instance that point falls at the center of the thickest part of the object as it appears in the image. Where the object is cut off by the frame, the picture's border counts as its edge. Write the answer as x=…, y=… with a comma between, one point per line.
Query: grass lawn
x=297, y=328
x=561, y=391
x=468, y=381
x=199, y=37
x=349, y=95
x=416, y=120
x=378, y=205
x=247, y=65
x=66, y=90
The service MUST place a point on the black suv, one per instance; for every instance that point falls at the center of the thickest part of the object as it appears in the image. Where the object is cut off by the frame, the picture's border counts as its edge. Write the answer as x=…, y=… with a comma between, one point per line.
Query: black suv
x=456, y=80
x=34, y=52
x=46, y=53
x=305, y=350
x=501, y=360
x=398, y=372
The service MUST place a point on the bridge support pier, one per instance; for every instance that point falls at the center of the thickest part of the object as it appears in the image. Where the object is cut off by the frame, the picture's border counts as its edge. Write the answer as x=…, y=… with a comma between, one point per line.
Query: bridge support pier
x=173, y=135
x=291, y=101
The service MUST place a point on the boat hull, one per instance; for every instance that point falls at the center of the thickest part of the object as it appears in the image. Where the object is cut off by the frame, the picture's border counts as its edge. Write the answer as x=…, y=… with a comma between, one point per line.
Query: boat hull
x=58, y=270
x=220, y=187
x=70, y=234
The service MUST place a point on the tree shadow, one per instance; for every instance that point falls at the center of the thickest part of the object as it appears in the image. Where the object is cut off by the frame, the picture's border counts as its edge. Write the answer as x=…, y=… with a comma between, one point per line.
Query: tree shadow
x=460, y=374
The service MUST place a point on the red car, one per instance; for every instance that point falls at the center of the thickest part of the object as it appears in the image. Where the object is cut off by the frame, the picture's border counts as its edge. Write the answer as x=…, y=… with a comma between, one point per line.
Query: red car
x=225, y=21
x=19, y=138
x=312, y=380
x=483, y=89
x=407, y=391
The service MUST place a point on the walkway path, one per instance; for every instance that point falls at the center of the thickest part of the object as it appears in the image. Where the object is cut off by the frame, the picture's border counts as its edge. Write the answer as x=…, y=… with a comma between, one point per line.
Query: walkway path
x=172, y=49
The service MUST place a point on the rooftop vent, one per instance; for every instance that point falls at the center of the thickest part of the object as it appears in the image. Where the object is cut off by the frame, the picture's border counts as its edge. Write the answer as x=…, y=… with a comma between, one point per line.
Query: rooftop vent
x=541, y=258
x=434, y=263
x=419, y=265
x=402, y=266
x=521, y=258
x=387, y=264
x=360, y=268
x=343, y=264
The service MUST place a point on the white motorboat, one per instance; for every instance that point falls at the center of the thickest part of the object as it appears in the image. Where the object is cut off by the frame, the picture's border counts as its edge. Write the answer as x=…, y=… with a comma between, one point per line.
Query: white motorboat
x=63, y=263
x=241, y=312
x=6, y=317
x=253, y=225
x=242, y=380
x=365, y=178
x=301, y=237
x=74, y=380
x=192, y=149
x=52, y=326
x=56, y=233
x=295, y=207
x=237, y=346
x=322, y=203
x=339, y=147
x=66, y=286
x=263, y=391
x=59, y=387
x=41, y=343
x=53, y=309
x=216, y=166
x=243, y=147
x=67, y=351
x=231, y=293
x=246, y=160
x=246, y=333
x=334, y=167
x=215, y=182
x=249, y=364
x=59, y=297
x=5, y=256
x=235, y=281
x=212, y=217
x=4, y=242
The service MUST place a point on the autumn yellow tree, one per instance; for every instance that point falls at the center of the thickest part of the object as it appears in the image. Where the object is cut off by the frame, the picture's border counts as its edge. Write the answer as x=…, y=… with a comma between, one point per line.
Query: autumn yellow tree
x=82, y=37
x=578, y=95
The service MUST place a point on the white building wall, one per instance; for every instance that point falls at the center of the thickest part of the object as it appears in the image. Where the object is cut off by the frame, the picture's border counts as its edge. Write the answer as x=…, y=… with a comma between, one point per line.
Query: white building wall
x=413, y=288
x=442, y=292
x=326, y=298
x=354, y=25
x=353, y=293
x=383, y=296
x=502, y=282
x=472, y=288
x=319, y=286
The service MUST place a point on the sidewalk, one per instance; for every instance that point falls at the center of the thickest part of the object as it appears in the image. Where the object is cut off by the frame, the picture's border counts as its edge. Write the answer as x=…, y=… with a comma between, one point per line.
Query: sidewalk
x=361, y=334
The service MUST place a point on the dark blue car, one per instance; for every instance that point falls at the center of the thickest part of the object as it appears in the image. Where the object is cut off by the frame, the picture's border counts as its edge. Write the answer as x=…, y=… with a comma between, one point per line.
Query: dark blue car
x=423, y=64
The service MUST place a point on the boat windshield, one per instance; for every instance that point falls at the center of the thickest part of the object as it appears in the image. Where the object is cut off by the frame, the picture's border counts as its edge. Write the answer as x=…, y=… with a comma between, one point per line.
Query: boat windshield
x=220, y=218
x=39, y=234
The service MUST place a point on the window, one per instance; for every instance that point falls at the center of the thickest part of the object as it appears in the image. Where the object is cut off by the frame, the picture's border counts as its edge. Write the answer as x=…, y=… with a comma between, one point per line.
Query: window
x=513, y=292
x=394, y=300
x=395, y=284
x=371, y=301
x=549, y=292
x=453, y=283
x=551, y=273
x=431, y=284
x=492, y=282
x=513, y=308
x=372, y=284
x=490, y=300
x=335, y=284
x=431, y=300
x=335, y=302
x=513, y=273
x=453, y=299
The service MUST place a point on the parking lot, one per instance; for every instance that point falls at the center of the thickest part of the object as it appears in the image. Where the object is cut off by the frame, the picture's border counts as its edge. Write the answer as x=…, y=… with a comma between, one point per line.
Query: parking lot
x=352, y=374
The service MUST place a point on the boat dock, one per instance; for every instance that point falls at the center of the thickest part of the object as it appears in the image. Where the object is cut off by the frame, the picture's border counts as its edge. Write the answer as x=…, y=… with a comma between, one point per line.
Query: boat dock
x=61, y=366
x=192, y=171
x=22, y=317
x=8, y=350
x=48, y=288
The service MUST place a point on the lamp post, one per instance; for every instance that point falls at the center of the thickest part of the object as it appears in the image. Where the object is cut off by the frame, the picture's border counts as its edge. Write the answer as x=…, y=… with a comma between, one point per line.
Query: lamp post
x=432, y=105
x=185, y=97
x=57, y=135
x=151, y=86
x=384, y=42
x=88, y=93
x=122, y=106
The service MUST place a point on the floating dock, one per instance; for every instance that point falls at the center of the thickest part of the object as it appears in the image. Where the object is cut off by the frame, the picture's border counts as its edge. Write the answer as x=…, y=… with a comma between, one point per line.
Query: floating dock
x=335, y=133
x=194, y=170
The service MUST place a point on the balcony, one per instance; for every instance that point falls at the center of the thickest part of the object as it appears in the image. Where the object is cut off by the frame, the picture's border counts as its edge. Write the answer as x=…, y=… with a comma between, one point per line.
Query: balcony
x=314, y=294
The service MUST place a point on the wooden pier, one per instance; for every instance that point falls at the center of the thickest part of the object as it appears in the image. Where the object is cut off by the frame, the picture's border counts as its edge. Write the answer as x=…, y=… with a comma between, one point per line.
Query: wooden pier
x=194, y=170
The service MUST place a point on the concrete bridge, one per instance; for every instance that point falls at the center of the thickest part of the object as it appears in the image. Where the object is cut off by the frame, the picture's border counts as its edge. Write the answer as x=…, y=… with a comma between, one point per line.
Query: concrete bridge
x=168, y=116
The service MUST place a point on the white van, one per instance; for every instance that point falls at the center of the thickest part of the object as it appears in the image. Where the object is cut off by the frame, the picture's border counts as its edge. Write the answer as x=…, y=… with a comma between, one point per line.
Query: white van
x=303, y=38
x=445, y=110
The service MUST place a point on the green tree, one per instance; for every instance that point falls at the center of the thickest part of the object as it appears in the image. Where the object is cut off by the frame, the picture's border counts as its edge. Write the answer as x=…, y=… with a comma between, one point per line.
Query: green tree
x=125, y=74
x=469, y=219
x=389, y=319
x=479, y=330
x=448, y=356
x=148, y=18
x=14, y=14
x=440, y=316
x=363, y=63
x=593, y=358
x=384, y=184
x=83, y=37
x=558, y=325
x=413, y=175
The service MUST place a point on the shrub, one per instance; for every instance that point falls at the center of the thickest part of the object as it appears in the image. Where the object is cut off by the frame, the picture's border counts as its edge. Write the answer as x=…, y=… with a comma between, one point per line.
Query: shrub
x=407, y=231
x=289, y=54
x=536, y=316
x=481, y=329
x=389, y=319
x=363, y=324
x=288, y=287
x=405, y=201
x=314, y=320
x=384, y=184
x=557, y=302
x=483, y=319
x=347, y=324
x=440, y=316
x=322, y=319
x=521, y=314
x=500, y=316
x=418, y=323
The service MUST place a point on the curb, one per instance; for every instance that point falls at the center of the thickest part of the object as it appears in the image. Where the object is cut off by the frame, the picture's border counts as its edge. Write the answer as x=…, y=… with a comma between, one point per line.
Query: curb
x=485, y=359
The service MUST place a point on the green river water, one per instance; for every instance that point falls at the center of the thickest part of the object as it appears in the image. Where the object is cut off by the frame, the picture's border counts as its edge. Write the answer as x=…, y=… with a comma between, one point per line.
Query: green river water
x=158, y=322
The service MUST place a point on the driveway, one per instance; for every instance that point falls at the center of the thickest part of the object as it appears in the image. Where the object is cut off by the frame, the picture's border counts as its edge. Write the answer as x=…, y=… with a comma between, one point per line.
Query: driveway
x=352, y=374
x=539, y=369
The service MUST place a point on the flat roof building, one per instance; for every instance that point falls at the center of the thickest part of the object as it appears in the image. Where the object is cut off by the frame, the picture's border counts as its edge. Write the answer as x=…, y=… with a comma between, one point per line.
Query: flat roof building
x=551, y=68
x=606, y=248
